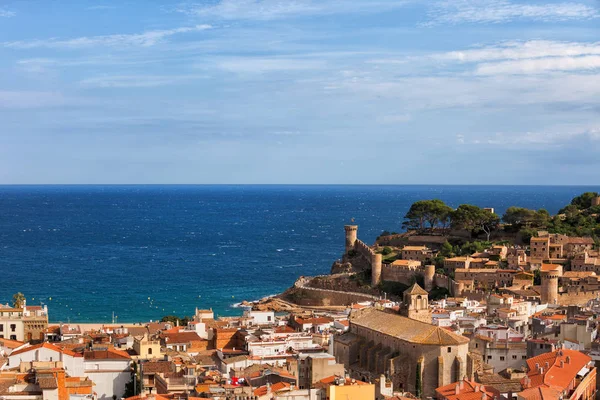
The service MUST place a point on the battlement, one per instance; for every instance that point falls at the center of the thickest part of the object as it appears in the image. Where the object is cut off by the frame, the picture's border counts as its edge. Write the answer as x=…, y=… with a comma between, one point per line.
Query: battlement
x=363, y=249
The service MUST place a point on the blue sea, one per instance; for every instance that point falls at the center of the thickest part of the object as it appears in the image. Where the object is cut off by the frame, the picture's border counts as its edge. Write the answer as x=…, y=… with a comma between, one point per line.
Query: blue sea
x=143, y=252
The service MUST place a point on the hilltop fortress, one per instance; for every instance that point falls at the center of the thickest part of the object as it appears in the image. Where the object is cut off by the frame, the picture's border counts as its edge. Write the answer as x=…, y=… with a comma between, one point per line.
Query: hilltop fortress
x=359, y=257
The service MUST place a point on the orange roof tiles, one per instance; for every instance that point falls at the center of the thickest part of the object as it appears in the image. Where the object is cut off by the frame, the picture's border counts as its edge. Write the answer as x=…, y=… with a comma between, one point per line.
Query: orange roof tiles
x=467, y=390
x=563, y=366
x=48, y=346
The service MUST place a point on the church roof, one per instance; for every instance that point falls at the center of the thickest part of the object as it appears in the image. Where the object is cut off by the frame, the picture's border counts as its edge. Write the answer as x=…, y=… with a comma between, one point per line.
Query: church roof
x=403, y=328
x=415, y=289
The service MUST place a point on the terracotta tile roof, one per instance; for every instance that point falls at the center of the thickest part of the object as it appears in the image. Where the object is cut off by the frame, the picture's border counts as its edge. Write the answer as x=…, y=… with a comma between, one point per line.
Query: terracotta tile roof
x=470, y=390
x=560, y=373
x=109, y=354
x=181, y=337
x=10, y=344
x=48, y=346
x=403, y=328
x=276, y=387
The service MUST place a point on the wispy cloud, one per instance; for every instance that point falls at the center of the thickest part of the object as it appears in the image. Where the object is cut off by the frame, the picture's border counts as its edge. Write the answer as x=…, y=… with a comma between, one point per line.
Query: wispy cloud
x=145, y=39
x=518, y=50
x=500, y=11
x=530, y=57
x=255, y=65
x=557, y=137
x=101, y=7
x=274, y=9
x=139, y=81
x=7, y=13
x=542, y=65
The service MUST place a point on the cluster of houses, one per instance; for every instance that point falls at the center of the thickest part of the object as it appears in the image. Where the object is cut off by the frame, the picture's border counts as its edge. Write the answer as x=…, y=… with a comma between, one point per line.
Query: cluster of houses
x=500, y=347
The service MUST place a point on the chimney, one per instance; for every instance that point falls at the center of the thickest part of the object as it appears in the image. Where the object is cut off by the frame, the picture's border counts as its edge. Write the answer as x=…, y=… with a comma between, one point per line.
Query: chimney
x=456, y=390
x=462, y=384
x=568, y=360
x=562, y=363
x=483, y=396
x=547, y=365
x=476, y=388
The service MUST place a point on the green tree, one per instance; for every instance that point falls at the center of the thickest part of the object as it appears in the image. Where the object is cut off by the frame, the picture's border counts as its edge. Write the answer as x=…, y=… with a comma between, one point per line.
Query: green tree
x=474, y=219
x=584, y=200
x=446, y=250
x=434, y=213
x=518, y=216
x=18, y=300
x=541, y=219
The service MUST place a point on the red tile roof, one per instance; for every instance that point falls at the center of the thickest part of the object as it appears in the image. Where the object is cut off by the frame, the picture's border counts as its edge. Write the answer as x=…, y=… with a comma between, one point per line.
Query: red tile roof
x=563, y=366
x=470, y=390
x=48, y=346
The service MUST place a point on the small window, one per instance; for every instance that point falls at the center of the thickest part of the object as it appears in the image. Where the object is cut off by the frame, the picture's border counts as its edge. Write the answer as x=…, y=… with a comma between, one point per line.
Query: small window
x=13, y=327
x=523, y=357
x=514, y=357
x=501, y=358
x=150, y=350
x=449, y=349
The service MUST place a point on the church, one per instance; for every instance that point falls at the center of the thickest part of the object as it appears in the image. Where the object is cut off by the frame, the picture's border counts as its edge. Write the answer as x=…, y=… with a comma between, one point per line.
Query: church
x=416, y=355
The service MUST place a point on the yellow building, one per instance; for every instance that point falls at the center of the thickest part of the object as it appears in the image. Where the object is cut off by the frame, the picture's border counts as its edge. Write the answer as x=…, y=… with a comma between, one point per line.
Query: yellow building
x=340, y=388
x=145, y=348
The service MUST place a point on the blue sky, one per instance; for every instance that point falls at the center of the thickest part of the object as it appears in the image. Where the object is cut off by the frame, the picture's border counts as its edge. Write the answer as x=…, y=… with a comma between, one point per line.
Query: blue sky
x=300, y=91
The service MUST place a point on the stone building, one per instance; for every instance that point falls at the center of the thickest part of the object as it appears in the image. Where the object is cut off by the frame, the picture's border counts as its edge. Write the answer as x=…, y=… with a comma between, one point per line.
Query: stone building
x=418, y=357
x=415, y=304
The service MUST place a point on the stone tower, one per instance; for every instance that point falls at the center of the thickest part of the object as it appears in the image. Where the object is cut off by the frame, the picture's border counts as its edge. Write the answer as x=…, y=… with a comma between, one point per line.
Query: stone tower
x=351, y=235
x=549, y=290
x=596, y=201
x=376, y=269
x=416, y=304
x=429, y=273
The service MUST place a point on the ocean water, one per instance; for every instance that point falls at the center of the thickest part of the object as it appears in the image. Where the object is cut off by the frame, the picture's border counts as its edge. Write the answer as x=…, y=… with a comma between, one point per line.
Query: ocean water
x=147, y=251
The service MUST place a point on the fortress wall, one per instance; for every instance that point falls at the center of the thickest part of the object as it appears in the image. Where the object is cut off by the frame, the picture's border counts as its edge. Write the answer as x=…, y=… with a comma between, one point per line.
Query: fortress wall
x=363, y=249
x=579, y=298
x=321, y=297
x=399, y=274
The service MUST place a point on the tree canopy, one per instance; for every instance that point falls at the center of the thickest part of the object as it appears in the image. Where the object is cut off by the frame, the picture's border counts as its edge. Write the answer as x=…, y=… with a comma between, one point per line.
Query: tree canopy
x=423, y=213
x=474, y=219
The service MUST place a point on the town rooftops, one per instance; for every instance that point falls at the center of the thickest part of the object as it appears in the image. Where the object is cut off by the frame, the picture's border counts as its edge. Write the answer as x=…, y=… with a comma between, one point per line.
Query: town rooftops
x=109, y=354
x=48, y=346
x=403, y=328
x=465, y=390
x=555, y=370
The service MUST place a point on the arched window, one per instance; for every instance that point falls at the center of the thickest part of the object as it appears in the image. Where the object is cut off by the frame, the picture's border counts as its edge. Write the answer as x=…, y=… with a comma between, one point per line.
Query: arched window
x=150, y=350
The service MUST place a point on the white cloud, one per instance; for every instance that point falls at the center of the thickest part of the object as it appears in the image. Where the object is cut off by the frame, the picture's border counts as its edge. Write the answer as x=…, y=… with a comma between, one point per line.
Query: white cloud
x=140, y=81
x=517, y=50
x=499, y=11
x=274, y=9
x=536, y=66
x=7, y=13
x=144, y=39
x=268, y=64
x=529, y=57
